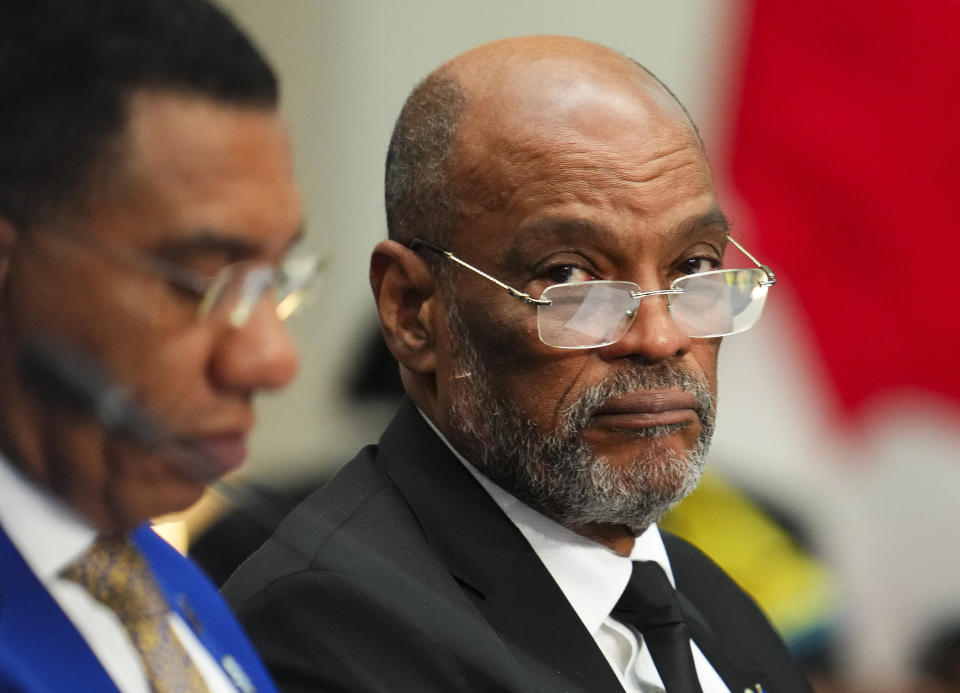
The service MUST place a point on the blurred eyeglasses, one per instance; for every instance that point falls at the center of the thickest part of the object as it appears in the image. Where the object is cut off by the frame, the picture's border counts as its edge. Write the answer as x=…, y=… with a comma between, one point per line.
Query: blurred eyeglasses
x=233, y=293
x=585, y=315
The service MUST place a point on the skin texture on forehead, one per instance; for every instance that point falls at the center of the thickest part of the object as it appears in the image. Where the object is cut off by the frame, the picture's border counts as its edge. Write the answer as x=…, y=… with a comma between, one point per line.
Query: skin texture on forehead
x=541, y=112
x=570, y=65
x=199, y=174
x=561, y=97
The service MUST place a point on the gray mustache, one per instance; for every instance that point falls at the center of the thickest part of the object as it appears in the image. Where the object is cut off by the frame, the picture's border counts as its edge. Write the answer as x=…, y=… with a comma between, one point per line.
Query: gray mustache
x=636, y=379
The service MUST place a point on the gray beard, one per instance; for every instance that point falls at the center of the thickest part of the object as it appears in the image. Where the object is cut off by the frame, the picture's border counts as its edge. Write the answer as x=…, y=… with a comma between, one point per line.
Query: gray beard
x=555, y=471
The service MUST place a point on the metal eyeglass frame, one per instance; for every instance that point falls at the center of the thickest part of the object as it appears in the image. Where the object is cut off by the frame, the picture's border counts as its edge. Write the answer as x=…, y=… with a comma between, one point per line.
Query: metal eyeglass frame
x=527, y=298
x=200, y=286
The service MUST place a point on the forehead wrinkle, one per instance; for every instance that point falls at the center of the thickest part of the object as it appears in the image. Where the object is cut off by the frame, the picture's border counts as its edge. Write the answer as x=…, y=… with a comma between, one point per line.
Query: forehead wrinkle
x=507, y=167
x=665, y=162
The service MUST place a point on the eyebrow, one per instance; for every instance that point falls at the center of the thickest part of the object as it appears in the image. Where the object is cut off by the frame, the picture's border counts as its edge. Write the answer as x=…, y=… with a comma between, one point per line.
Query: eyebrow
x=566, y=230
x=207, y=242
x=575, y=231
x=693, y=226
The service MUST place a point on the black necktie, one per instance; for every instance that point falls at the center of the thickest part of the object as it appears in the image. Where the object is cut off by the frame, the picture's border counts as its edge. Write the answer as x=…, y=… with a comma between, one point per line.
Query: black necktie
x=649, y=603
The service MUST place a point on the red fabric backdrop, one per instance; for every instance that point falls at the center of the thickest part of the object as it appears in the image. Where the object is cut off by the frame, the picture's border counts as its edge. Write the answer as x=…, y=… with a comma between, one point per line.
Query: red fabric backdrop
x=846, y=149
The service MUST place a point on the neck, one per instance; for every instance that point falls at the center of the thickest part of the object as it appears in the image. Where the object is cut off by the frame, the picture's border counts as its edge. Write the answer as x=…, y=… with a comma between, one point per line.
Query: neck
x=617, y=538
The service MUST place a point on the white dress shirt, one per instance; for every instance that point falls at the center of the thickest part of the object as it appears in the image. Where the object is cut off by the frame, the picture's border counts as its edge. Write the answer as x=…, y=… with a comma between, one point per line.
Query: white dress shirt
x=592, y=577
x=49, y=536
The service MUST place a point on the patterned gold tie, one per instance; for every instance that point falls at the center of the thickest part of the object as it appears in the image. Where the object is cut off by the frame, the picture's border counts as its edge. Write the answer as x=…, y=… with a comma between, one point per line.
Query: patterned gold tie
x=116, y=573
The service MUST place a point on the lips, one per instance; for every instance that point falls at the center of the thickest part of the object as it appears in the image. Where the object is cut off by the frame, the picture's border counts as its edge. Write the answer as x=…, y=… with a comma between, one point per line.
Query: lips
x=212, y=456
x=647, y=408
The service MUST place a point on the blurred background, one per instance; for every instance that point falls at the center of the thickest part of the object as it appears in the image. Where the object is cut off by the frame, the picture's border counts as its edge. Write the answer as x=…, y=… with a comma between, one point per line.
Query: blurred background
x=832, y=128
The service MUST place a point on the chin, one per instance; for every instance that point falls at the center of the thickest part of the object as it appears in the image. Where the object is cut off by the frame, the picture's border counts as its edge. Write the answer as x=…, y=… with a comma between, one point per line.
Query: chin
x=183, y=495
x=661, y=457
x=163, y=498
x=665, y=474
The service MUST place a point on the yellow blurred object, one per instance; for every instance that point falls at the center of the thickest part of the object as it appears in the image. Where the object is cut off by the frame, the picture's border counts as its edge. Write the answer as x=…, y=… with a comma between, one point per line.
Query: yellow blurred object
x=172, y=530
x=178, y=528
x=793, y=589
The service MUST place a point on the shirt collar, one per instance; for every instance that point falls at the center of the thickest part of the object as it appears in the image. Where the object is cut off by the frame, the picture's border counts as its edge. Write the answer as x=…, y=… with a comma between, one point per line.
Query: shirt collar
x=47, y=532
x=590, y=575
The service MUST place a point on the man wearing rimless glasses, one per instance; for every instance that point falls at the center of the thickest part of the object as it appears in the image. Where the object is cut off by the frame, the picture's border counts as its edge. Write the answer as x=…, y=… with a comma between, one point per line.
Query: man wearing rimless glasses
x=555, y=287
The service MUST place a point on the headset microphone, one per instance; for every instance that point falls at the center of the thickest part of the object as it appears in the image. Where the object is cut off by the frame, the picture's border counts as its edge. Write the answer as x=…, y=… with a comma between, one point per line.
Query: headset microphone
x=65, y=375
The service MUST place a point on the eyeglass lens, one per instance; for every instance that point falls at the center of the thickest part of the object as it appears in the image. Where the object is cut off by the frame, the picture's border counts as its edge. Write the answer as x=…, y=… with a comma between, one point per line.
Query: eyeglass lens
x=588, y=313
x=237, y=289
x=717, y=304
x=598, y=313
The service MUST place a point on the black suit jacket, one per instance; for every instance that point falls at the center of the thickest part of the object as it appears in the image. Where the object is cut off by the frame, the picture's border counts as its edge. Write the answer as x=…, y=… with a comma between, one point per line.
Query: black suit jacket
x=402, y=574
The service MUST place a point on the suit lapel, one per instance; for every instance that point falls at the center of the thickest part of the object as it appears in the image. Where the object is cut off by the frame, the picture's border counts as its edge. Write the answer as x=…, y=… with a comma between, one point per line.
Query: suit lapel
x=190, y=594
x=714, y=608
x=735, y=677
x=530, y=613
x=34, y=631
x=484, y=550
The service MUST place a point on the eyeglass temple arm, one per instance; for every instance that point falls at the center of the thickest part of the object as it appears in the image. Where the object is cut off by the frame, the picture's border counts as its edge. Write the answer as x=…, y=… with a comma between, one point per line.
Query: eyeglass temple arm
x=516, y=293
x=771, y=279
x=172, y=272
x=527, y=298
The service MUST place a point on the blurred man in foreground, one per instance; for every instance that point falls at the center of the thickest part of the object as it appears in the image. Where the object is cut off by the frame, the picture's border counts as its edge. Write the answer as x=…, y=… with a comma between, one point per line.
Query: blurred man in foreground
x=147, y=208
x=553, y=289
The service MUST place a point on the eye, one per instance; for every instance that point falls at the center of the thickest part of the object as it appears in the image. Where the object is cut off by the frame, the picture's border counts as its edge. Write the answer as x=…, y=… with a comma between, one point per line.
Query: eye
x=563, y=274
x=184, y=292
x=696, y=265
x=207, y=266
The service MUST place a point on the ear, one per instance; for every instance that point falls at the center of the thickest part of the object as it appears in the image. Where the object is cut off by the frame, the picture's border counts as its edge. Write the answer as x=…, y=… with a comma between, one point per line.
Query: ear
x=8, y=240
x=409, y=304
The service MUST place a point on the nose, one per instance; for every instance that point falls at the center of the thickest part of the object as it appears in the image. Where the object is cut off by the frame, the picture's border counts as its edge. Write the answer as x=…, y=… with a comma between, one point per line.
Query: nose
x=653, y=337
x=260, y=354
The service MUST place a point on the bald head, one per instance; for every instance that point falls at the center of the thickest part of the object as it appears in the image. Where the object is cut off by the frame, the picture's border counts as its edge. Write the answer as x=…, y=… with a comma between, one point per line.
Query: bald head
x=504, y=97
x=553, y=72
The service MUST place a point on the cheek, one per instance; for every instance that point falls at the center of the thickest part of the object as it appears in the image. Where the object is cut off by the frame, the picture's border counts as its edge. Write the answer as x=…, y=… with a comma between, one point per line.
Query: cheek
x=147, y=339
x=705, y=352
x=170, y=372
x=502, y=331
x=538, y=380
x=94, y=306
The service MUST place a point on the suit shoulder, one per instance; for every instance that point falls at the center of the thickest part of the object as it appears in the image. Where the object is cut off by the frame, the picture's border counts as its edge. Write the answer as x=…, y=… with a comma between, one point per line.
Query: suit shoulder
x=356, y=515
x=733, y=616
x=683, y=554
x=697, y=574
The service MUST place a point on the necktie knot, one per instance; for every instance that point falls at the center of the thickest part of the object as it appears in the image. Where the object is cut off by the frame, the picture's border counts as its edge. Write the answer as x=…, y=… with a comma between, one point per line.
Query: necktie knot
x=650, y=604
x=649, y=599
x=115, y=573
